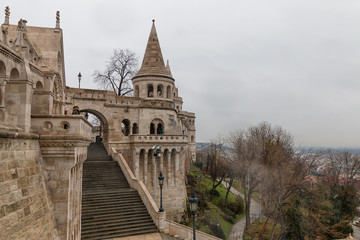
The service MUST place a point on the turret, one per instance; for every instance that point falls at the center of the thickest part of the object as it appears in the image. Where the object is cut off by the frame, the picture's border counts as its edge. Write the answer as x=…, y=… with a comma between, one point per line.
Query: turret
x=154, y=80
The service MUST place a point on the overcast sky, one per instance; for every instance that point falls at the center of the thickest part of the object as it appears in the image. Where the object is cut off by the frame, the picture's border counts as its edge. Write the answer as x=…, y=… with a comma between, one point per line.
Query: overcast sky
x=236, y=63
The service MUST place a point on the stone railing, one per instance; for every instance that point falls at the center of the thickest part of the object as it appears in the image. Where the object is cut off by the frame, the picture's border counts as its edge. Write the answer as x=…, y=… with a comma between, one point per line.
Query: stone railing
x=62, y=125
x=159, y=218
x=158, y=139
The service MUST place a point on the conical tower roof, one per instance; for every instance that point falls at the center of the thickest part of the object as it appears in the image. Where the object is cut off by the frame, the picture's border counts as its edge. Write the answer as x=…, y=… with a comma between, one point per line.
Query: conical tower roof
x=153, y=62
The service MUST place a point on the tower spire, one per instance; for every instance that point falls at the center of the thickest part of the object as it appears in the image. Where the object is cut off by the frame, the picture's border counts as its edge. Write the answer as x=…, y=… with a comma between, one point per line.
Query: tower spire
x=153, y=62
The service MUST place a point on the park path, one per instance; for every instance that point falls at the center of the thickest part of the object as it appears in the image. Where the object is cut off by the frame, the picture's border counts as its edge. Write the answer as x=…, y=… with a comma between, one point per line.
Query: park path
x=237, y=230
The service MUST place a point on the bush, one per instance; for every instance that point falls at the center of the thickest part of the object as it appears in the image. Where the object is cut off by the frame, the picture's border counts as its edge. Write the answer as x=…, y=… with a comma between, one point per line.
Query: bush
x=198, y=164
x=237, y=207
x=214, y=192
x=217, y=231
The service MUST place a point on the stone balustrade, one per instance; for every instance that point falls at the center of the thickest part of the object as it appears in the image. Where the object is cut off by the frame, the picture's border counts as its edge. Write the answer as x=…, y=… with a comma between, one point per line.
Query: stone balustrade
x=158, y=139
x=62, y=126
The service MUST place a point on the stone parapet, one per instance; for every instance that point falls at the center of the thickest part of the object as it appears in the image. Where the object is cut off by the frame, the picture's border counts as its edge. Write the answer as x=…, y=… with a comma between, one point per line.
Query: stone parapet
x=158, y=139
x=61, y=126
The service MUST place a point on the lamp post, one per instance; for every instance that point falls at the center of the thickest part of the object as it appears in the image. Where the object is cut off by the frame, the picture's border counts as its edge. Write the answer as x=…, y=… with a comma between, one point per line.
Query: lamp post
x=193, y=208
x=157, y=154
x=161, y=183
x=79, y=77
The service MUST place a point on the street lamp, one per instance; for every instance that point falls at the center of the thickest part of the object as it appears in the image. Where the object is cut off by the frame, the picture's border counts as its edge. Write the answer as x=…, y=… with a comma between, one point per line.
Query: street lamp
x=193, y=208
x=161, y=182
x=79, y=77
x=157, y=154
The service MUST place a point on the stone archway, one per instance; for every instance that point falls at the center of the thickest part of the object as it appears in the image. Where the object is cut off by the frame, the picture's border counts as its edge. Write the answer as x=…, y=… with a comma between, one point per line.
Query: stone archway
x=104, y=125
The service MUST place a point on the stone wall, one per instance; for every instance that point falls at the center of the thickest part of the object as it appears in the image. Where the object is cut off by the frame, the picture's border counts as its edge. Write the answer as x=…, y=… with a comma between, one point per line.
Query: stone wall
x=25, y=211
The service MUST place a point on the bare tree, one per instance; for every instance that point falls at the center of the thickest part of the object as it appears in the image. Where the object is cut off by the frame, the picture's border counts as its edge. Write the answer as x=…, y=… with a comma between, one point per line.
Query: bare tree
x=217, y=166
x=120, y=68
x=247, y=154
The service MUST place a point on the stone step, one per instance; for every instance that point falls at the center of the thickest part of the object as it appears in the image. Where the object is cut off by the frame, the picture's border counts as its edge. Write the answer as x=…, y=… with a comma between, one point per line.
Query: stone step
x=94, y=217
x=117, y=194
x=116, y=223
x=109, y=202
x=117, y=234
x=110, y=208
x=124, y=209
x=119, y=228
x=116, y=216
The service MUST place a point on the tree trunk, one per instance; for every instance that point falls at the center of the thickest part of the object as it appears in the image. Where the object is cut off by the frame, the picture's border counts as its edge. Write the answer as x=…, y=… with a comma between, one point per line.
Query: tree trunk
x=228, y=190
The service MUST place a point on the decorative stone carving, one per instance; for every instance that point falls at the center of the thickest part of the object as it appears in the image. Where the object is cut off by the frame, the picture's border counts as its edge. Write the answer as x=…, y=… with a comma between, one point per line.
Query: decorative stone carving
x=47, y=127
x=57, y=19
x=5, y=26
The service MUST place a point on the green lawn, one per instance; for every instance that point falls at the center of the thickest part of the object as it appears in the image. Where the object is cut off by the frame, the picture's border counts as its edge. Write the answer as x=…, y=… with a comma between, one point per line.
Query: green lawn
x=213, y=217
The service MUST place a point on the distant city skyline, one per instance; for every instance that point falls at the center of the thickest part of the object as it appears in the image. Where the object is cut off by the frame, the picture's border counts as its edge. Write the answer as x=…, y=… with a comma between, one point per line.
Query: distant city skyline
x=295, y=64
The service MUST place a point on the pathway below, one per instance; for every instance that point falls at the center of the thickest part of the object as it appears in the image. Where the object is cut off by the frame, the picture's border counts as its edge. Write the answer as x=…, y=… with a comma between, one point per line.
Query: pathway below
x=237, y=230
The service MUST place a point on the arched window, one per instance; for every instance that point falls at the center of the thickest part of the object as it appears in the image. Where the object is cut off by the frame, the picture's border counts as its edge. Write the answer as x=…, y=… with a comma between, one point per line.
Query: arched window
x=125, y=127
x=2, y=69
x=135, y=129
x=159, y=129
x=157, y=126
x=14, y=74
x=39, y=86
x=150, y=91
x=136, y=93
x=168, y=92
x=152, y=128
x=192, y=138
x=160, y=90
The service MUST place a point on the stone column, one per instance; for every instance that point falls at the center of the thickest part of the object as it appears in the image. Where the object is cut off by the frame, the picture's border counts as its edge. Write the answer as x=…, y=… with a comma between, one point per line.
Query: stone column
x=168, y=170
x=176, y=175
x=136, y=158
x=60, y=157
x=145, y=172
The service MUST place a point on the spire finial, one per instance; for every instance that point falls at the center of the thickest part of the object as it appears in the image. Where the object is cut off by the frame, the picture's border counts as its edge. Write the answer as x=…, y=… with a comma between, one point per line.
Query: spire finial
x=153, y=20
x=7, y=15
x=57, y=19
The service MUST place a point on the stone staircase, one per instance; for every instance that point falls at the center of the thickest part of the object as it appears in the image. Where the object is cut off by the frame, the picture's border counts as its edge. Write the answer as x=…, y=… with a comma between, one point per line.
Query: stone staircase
x=110, y=208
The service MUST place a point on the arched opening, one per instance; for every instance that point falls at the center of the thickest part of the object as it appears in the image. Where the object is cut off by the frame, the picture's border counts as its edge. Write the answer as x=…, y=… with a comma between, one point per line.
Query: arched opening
x=100, y=125
x=2, y=87
x=125, y=127
x=166, y=166
x=159, y=129
x=14, y=74
x=40, y=102
x=192, y=138
x=168, y=92
x=2, y=69
x=150, y=91
x=160, y=90
x=135, y=129
x=12, y=96
x=158, y=126
x=39, y=86
x=152, y=128
x=136, y=91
